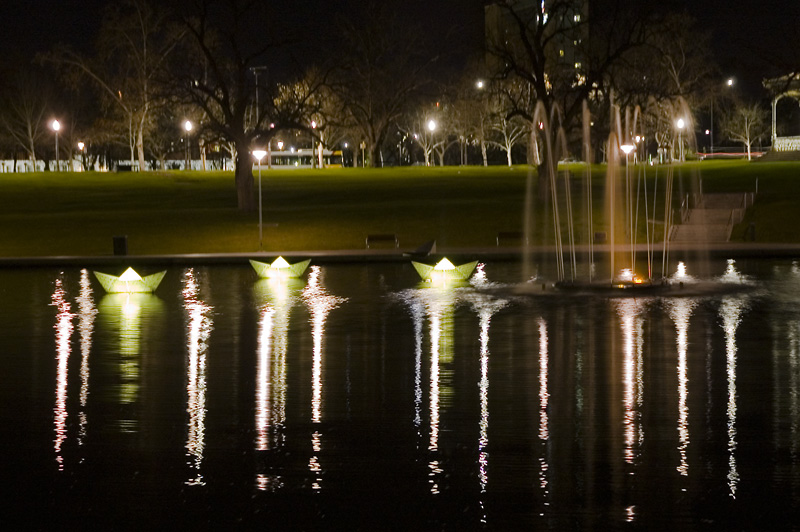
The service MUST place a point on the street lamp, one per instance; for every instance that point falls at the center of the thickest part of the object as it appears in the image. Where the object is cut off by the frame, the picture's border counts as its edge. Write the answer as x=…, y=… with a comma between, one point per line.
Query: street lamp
x=627, y=149
x=680, y=125
x=728, y=82
x=55, y=125
x=81, y=147
x=479, y=84
x=259, y=154
x=187, y=126
x=431, y=125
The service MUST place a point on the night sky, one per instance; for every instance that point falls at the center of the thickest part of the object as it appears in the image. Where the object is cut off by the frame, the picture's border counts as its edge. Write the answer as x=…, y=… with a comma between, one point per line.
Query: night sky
x=744, y=32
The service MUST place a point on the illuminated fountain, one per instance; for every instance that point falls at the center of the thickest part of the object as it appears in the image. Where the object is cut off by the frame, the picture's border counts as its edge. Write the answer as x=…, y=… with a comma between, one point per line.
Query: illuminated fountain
x=636, y=221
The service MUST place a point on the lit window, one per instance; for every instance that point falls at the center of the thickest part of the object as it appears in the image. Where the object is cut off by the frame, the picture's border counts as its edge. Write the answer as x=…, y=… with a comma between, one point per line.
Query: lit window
x=577, y=18
x=561, y=53
x=577, y=65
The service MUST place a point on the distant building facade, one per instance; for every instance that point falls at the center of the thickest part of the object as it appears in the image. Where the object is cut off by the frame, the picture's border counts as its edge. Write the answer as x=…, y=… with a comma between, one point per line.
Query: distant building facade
x=502, y=30
x=783, y=87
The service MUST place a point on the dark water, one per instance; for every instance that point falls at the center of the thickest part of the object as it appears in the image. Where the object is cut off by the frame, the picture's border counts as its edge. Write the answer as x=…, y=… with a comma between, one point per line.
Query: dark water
x=359, y=399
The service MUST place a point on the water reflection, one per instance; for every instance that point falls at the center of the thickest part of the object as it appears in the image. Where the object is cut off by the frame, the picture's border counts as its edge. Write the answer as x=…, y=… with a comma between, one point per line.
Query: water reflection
x=86, y=316
x=486, y=307
x=319, y=303
x=199, y=327
x=547, y=400
x=731, y=310
x=439, y=304
x=127, y=313
x=680, y=311
x=63, y=327
x=733, y=275
x=631, y=313
x=544, y=398
x=275, y=298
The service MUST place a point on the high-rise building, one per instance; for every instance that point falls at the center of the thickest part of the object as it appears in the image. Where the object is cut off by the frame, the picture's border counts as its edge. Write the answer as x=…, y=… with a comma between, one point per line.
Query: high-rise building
x=565, y=18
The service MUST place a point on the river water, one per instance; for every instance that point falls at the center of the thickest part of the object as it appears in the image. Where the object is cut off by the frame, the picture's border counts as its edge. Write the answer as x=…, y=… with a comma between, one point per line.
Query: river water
x=359, y=398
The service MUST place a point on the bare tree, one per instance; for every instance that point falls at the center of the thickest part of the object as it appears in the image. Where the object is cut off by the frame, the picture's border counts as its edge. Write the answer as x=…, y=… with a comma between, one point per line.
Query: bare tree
x=24, y=107
x=745, y=123
x=229, y=39
x=508, y=133
x=134, y=44
x=562, y=59
x=384, y=69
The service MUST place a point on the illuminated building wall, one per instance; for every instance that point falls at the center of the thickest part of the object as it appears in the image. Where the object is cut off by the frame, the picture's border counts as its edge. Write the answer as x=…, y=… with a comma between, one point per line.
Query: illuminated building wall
x=502, y=30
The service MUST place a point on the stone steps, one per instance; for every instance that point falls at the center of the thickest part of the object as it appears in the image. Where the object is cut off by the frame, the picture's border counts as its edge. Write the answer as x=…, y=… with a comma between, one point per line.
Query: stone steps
x=708, y=222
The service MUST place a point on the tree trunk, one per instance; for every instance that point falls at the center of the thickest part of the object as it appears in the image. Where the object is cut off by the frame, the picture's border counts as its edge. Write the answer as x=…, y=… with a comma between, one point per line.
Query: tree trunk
x=140, y=147
x=374, y=155
x=246, y=199
x=483, y=153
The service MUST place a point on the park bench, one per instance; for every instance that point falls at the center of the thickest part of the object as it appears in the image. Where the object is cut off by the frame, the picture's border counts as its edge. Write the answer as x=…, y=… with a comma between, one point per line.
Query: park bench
x=382, y=238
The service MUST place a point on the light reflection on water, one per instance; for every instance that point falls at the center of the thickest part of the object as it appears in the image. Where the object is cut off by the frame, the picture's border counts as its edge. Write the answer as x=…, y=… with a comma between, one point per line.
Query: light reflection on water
x=125, y=316
x=199, y=327
x=86, y=316
x=63, y=329
x=437, y=303
x=632, y=323
x=731, y=310
x=474, y=392
x=680, y=310
x=319, y=303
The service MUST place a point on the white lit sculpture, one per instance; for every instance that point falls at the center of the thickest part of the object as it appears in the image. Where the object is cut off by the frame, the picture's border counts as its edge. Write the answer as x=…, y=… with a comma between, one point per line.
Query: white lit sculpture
x=130, y=281
x=445, y=270
x=280, y=268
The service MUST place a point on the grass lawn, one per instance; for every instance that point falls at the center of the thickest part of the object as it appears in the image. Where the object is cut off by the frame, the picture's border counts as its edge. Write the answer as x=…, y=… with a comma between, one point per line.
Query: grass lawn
x=52, y=213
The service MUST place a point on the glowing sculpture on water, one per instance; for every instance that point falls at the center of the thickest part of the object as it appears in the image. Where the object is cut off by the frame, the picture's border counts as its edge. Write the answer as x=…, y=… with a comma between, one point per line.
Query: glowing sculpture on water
x=130, y=282
x=280, y=268
x=444, y=270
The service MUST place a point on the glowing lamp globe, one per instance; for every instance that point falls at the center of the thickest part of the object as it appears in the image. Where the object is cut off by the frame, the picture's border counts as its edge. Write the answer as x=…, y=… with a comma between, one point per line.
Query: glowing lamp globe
x=627, y=148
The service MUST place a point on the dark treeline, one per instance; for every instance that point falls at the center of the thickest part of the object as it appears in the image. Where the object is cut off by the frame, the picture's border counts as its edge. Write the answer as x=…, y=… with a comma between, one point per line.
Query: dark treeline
x=391, y=82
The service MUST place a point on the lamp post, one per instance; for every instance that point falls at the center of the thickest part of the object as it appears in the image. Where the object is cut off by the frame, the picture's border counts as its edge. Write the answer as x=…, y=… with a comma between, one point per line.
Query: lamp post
x=55, y=125
x=680, y=123
x=81, y=147
x=187, y=126
x=431, y=125
x=728, y=83
x=259, y=154
x=627, y=149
